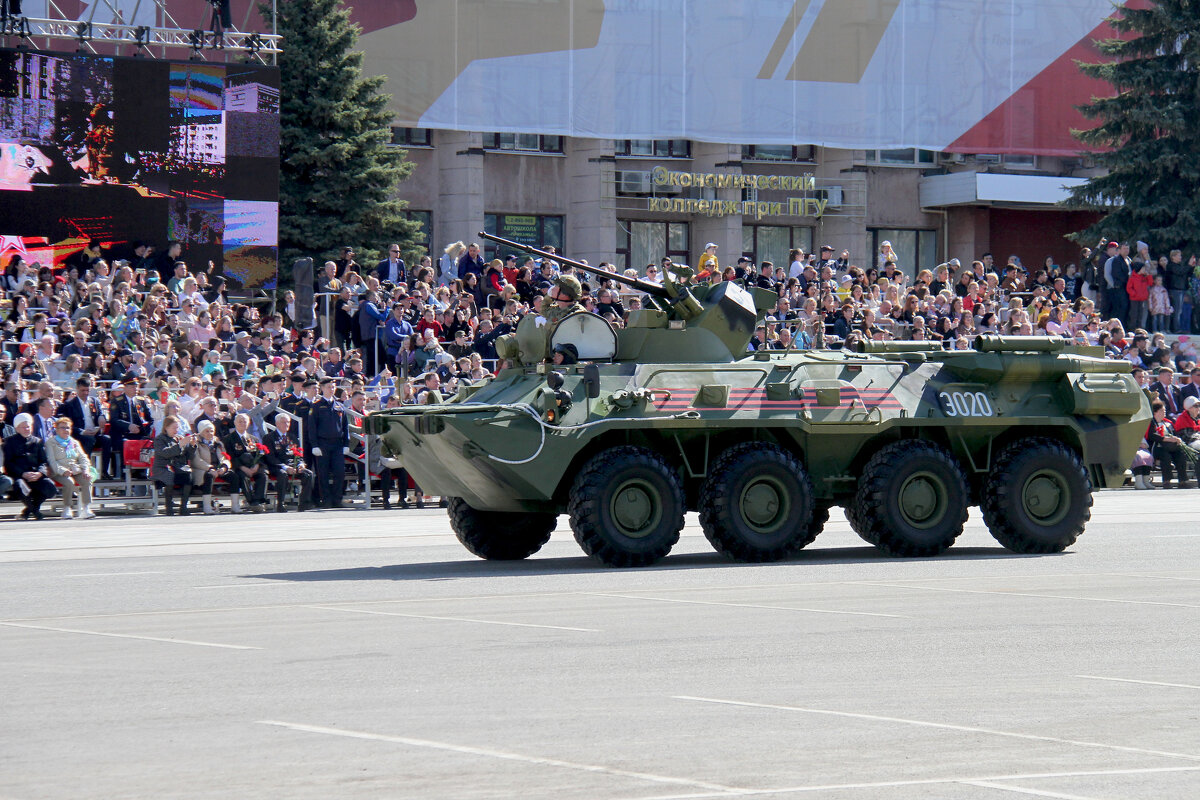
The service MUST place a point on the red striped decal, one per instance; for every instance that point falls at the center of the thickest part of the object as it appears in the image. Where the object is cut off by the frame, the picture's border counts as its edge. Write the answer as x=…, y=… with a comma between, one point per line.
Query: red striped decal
x=755, y=399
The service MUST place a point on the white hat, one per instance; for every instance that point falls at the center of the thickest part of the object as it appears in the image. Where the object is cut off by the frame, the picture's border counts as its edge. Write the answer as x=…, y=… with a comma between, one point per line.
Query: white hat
x=23, y=418
x=1191, y=401
x=710, y=244
x=886, y=243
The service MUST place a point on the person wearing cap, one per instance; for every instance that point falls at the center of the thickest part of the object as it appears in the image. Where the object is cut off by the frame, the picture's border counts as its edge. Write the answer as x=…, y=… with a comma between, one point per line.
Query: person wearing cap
x=708, y=262
x=25, y=463
x=130, y=416
x=327, y=427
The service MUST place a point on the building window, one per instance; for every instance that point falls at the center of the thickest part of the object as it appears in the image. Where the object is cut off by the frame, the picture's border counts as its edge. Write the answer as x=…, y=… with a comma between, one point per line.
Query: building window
x=642, y=243
x=915, y=250
x=653, y=148
x=411, y=137
x=772, y=242
x=426, y=220
x=906, y=157
x=522, y=143
x=536, y=231
x=778, y=152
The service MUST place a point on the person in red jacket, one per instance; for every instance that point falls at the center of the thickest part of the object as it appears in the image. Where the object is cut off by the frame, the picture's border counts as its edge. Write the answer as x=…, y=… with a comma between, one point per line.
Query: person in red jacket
x=1187, y=428
x=1138, y=288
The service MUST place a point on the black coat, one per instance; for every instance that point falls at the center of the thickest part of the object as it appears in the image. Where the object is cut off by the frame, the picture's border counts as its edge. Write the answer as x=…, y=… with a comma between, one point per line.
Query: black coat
x=22, y=454
x=122, y=419
x=73, y=409
x=279, y=449
x=242, y=452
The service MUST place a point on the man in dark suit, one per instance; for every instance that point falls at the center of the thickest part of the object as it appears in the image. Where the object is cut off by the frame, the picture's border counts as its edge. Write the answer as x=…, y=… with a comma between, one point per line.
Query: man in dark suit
x=1167, y=392
x=284, y=466
x=1191, y=389
x=392, y=267
x=130, y=416
x=88, y=420
x=249, y=471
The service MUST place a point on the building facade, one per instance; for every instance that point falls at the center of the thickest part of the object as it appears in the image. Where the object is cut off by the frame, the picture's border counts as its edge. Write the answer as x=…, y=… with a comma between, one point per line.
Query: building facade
x=631, y=202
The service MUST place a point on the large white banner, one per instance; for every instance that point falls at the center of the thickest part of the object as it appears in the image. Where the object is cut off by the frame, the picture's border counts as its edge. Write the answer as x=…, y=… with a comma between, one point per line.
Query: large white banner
x=843, y=73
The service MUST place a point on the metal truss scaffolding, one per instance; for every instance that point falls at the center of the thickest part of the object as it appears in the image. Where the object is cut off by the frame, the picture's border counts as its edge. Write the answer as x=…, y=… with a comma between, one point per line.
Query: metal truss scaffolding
x=166, y=39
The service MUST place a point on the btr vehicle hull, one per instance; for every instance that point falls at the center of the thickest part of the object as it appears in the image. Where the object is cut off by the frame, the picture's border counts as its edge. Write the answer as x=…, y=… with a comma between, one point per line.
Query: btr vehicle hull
x=670, y=413
x=846, y=426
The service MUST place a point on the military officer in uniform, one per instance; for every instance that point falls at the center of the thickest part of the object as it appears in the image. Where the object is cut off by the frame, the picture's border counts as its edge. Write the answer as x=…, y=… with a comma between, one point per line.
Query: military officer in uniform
x=284, y=466
x=248, y=471
x=328, y=428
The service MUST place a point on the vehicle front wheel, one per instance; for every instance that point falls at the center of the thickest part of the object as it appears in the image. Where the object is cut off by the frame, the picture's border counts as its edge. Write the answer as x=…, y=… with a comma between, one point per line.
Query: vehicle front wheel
x=500, y=535
x=626, y=507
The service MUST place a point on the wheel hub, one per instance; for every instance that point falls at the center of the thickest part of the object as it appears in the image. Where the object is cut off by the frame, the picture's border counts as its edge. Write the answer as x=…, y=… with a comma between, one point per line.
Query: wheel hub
x=923, y=500
x=1045, y=498
x=764, y=504
x=634, y=508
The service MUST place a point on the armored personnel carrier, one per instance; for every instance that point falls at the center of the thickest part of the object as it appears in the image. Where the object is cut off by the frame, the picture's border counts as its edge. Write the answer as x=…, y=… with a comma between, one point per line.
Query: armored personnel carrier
x=671, y=414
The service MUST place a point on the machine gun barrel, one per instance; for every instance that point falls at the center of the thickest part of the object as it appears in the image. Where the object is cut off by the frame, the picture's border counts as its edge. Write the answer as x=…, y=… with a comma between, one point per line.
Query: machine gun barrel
x=642, y=286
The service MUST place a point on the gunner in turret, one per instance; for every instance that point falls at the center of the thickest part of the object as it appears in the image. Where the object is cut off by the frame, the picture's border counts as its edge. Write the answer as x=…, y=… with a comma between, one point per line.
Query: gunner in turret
x=564, y=300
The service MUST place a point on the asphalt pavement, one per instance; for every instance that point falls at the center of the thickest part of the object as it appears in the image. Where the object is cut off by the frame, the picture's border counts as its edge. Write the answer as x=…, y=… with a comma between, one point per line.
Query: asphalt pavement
x=358, y=654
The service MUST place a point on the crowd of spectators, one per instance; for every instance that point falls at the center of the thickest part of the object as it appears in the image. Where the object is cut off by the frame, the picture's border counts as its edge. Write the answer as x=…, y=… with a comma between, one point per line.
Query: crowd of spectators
x=151, y=348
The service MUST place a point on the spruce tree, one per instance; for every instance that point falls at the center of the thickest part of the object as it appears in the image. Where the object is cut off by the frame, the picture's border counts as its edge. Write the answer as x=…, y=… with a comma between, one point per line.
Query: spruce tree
x=337, y=169
x=1150, y=129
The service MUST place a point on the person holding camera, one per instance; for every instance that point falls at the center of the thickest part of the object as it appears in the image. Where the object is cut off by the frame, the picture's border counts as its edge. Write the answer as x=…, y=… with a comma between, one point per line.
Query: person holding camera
x=172, y=469
x=209, y=462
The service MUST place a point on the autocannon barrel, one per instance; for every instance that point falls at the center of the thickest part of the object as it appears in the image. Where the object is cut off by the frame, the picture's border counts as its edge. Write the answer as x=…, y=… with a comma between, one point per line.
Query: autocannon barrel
x=642, y=286
x=871, y=346
x=990, y=343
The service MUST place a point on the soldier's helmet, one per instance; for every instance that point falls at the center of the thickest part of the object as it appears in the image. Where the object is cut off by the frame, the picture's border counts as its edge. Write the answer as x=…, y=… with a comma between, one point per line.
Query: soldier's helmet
x=569, y=286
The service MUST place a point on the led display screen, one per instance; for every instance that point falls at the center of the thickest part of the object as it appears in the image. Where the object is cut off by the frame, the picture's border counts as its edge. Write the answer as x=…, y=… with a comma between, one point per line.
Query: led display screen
x=128, y=150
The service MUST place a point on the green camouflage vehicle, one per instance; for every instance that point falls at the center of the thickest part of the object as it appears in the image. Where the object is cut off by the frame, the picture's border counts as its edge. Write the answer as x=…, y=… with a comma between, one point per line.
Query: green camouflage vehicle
x=671, y=414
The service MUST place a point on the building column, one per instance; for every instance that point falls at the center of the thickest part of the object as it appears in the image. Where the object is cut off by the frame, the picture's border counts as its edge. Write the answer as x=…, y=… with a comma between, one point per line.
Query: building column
x=459, y=213
x=723, y=231
x=590, y=226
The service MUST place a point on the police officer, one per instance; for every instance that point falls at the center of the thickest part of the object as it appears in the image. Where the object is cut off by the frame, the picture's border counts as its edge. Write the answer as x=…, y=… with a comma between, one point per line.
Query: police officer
x=329, y=431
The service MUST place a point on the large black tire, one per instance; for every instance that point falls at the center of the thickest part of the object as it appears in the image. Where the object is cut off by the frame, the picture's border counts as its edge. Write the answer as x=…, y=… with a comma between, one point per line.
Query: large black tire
x=626, y=507
x=912, y=500
x=757, y=503
x=819, y=518
x=1038, y=497
x=500, y=535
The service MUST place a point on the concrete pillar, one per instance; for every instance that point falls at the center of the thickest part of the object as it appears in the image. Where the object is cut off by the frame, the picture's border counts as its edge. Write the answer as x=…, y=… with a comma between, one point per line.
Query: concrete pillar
x=459, y=213
x=591, y=222
x=726, y=231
